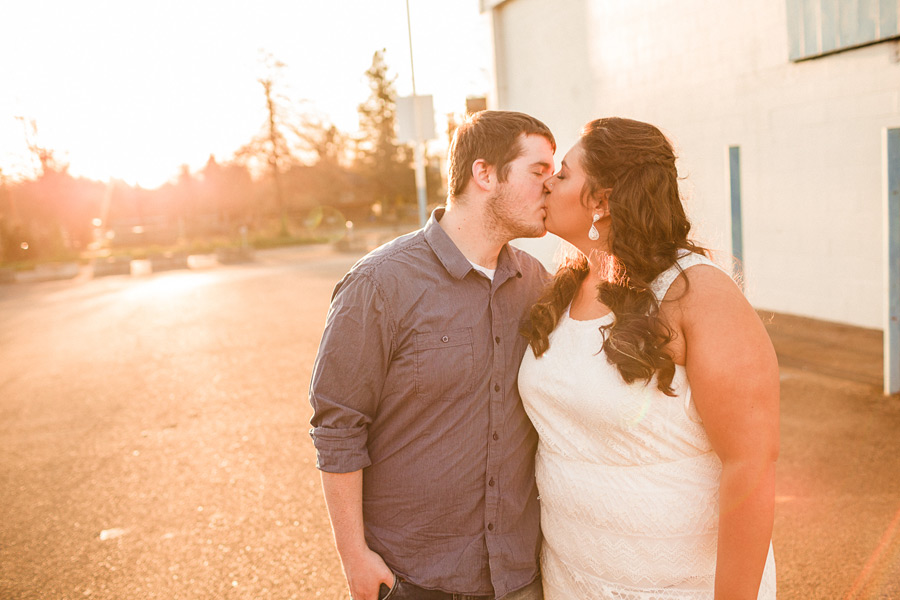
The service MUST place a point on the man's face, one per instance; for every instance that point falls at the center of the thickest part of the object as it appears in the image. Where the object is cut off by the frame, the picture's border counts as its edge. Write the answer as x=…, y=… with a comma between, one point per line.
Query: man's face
x=516, y=208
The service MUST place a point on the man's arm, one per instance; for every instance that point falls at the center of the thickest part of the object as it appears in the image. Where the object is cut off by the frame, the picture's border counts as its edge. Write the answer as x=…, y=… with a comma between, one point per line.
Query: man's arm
x=344, y=405
x=365, y=570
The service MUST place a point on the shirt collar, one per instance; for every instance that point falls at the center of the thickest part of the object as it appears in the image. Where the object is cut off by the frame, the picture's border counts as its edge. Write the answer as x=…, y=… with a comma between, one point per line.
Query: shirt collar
x=508, y=261
x=453, y=260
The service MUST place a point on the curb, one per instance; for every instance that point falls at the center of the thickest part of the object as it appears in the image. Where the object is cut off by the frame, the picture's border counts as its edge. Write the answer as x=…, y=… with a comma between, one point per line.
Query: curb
x=124, y=265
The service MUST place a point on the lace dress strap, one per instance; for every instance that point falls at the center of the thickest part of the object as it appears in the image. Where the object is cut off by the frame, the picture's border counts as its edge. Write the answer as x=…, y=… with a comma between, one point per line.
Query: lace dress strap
x=686, y=260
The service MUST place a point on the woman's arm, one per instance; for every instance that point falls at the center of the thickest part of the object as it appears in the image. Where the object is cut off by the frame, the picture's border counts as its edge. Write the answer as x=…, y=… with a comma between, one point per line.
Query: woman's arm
x=733, y=372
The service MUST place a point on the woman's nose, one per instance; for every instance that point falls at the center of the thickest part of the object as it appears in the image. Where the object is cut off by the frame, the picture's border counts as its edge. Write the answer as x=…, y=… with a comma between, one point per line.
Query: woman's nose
x=548, y=184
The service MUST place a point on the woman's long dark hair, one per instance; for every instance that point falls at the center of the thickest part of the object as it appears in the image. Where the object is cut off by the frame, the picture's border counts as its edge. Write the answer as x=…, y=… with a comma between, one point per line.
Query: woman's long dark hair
x=648, y=228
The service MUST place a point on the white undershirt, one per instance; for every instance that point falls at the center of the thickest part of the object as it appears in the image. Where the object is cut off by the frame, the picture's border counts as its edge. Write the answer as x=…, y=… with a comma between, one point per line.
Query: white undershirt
x=486, y=271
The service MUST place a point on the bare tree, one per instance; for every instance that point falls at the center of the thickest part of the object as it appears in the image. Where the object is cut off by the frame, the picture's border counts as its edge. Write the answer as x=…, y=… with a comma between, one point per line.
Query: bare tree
x=278, y=149
x=49, y=162
x=271, y=145
x=320, y=138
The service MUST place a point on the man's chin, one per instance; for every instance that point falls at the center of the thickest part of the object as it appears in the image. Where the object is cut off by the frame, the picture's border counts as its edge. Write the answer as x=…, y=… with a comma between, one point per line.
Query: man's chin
x=523, y=230
x=537, y=232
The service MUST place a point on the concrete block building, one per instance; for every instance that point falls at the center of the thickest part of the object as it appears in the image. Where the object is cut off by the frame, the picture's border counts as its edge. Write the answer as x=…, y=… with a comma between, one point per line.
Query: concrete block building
x=779, y=111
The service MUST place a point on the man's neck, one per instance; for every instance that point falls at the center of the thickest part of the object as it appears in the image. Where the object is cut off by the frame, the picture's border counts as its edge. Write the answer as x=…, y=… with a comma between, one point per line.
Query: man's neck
x=465, y=226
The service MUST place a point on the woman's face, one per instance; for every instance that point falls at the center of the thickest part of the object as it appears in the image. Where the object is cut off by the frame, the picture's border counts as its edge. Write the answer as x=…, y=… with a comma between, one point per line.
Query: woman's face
x=567, y=215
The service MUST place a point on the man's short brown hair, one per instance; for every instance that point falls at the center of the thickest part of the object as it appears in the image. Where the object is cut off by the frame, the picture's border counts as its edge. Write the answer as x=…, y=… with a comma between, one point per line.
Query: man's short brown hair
x=492, y=136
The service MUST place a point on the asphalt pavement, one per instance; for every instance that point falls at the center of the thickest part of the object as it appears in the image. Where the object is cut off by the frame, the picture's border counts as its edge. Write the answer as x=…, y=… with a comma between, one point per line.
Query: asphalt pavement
x=153, y=441
x=153, y=434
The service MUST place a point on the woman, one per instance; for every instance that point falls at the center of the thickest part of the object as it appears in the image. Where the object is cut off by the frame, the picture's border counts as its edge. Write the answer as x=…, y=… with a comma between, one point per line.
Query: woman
x=653, y=387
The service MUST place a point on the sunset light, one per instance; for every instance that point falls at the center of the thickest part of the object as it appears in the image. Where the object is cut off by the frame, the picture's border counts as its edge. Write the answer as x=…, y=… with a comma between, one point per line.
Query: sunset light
x=133, y=91
x=494, y=299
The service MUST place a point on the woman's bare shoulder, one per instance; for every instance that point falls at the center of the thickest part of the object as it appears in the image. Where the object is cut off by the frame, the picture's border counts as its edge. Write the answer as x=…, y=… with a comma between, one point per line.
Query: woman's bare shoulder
x=701, y=286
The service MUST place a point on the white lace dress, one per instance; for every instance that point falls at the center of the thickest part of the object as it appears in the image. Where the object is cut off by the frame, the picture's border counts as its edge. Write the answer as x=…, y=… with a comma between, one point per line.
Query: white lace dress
x=628, y=480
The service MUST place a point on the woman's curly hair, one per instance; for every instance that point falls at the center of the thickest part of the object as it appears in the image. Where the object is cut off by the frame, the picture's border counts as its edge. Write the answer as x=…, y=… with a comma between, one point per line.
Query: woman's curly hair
x=648, y=229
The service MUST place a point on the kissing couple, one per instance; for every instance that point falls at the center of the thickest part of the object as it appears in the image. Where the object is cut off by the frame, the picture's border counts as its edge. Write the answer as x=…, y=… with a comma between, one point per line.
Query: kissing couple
x=485, y=430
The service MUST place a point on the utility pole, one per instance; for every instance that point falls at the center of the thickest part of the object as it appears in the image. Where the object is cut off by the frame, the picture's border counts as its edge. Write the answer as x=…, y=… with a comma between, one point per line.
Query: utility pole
x=419, y=144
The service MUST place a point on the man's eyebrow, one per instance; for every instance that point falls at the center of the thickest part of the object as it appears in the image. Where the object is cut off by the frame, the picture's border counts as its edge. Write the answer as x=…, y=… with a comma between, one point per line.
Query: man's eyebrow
x=542, y=165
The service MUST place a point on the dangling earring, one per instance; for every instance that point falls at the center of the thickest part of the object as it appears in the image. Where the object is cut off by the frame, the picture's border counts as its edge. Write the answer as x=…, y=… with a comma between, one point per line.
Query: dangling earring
x=592, y=232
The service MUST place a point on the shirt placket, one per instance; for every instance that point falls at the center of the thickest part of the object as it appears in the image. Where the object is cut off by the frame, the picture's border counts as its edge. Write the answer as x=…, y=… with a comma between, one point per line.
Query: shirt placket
x=497, y=435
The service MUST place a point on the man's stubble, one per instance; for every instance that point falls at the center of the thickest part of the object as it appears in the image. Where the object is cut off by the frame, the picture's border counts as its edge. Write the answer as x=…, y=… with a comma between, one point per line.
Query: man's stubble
x=503, y=218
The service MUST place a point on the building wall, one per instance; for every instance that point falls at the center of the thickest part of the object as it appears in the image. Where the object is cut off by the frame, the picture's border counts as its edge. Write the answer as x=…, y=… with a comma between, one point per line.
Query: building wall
x=715, y=73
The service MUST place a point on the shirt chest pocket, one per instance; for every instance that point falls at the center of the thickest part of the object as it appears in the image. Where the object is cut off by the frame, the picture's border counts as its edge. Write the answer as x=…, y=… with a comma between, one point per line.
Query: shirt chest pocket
x=445, y=364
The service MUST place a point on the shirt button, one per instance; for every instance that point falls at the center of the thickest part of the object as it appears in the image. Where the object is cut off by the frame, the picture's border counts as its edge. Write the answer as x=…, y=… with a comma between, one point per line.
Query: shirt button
x=496, y=437
x=491, y=482
x=496, y=387
x=490, y=526
x=445, y=339
x=497, y=339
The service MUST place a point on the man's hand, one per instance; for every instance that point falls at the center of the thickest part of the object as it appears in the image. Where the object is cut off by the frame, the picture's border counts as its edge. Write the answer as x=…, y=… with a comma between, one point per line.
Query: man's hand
x=365, y=573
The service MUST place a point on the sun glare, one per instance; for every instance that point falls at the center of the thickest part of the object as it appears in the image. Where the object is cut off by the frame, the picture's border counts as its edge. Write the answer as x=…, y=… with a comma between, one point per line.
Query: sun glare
x=134, y=91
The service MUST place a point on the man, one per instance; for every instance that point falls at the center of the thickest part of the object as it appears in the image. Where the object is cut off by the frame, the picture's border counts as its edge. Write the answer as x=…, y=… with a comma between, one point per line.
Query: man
x=426, y=454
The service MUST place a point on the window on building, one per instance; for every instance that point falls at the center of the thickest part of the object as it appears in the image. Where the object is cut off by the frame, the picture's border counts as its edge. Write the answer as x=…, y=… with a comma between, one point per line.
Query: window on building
x=819, y=27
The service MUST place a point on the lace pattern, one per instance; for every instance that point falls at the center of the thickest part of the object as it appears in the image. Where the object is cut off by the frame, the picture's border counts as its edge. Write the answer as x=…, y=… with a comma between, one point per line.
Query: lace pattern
x=627, y=477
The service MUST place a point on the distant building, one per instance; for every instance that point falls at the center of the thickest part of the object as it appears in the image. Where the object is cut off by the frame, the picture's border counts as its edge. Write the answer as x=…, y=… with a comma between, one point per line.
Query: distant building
x=475, y=104
x=777, y=109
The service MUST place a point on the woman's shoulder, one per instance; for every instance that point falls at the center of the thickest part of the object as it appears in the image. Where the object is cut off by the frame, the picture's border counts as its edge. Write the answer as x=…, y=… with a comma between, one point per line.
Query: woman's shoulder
x=694, y=274
x=705, y=293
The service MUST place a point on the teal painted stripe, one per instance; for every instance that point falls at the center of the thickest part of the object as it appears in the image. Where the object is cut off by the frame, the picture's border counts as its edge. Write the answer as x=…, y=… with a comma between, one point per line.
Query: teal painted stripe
x=892, y=324
x=829, y=20
x=888, y=23
x=849, y=19
x=737, y=227
x=811, y=28
x=867, y=23
x=795, y=29
x=822, y=27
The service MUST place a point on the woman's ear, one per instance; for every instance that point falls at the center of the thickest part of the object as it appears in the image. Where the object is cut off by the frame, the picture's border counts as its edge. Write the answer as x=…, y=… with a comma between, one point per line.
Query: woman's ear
x=599, y=203
x=483, y=174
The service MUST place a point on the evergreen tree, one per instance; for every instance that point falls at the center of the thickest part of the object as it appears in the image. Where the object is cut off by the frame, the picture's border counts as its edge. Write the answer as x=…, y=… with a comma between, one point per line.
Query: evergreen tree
x=384, y=162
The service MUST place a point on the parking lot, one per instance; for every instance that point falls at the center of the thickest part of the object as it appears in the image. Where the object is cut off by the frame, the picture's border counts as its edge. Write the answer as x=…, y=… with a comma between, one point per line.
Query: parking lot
x=153, y=441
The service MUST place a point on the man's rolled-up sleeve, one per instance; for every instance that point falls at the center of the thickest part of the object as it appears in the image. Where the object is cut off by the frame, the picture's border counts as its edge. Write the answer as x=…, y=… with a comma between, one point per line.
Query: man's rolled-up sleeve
x=348, y=375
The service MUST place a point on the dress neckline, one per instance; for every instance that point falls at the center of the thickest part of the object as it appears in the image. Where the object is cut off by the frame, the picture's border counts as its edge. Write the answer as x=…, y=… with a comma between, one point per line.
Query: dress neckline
x=607, y=318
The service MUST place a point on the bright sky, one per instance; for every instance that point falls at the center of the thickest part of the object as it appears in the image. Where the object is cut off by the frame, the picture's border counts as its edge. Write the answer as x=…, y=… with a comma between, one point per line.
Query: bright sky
x=133, y=90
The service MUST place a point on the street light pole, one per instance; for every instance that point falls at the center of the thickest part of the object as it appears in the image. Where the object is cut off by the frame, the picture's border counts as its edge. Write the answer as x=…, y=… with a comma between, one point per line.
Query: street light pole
x=418, y=144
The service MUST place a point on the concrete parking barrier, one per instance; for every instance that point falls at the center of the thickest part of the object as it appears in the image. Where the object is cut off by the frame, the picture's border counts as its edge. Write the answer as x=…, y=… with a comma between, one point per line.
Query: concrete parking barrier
x=111, y=265
x=49, y=272
x=229, y=256
x=168, y=262
x=140, y=267
x=202, y=261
